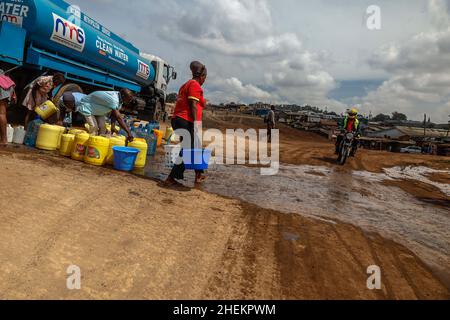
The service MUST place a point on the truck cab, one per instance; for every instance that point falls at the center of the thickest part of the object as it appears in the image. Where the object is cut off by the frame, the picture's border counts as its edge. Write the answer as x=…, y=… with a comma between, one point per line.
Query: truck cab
x=164, y=74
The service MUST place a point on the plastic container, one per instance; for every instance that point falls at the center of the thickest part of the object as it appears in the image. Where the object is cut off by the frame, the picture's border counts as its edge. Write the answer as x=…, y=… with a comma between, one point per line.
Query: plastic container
x=118, y=141
x=32, y=132
x=152, y=140
x=48, y=137
x=141, y=145
x=125, y=158
x=172, y=152
x=196, y=159
x=62, y=130
x=46, y=110
x=67, y=141
x=19, y=135
x=96, y=150
x=168, y=135
x=159, y=134
x=9, y=133
x=76, y=131
x=79, y=146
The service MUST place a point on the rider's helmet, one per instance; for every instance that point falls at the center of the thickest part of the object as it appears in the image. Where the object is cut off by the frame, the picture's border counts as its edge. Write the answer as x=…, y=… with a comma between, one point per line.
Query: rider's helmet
x=353, y=113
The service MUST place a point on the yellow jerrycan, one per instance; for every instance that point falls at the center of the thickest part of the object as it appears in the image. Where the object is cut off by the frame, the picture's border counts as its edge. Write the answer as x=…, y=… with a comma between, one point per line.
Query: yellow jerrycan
x=96, y=150
x=79, y=146
x=48, y=137
x=140, y=144
x=67, y=141
x=168, y=134
x=46, y=110
x=118, y=141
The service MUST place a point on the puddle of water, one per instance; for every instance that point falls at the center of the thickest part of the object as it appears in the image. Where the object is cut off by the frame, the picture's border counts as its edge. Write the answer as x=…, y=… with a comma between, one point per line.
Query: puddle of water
x=290, y=236
x=357, y=198
x=406, y=173
x=419, y=174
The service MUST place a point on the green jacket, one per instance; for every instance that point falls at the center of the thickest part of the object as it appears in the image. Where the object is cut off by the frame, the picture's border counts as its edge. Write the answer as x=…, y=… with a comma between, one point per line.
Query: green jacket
x=356, y=125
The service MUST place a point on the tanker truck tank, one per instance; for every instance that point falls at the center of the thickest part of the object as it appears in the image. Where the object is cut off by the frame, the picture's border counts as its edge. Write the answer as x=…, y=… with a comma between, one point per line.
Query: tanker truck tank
x=57, y=27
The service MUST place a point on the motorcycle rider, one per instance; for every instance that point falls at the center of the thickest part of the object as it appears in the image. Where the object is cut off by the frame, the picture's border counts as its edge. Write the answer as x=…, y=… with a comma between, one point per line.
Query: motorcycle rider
x=351, y=125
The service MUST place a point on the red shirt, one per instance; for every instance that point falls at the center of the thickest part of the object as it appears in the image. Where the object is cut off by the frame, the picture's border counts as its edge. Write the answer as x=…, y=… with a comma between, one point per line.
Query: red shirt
x=191, y=90
x=350, y=125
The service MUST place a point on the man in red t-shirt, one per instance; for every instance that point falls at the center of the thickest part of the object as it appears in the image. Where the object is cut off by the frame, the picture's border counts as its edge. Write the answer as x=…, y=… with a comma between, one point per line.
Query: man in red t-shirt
x=190, y=99
x=188, y=114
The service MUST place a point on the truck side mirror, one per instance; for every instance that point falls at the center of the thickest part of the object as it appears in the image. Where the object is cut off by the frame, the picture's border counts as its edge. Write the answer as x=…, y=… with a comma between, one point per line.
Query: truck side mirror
x=174, y=75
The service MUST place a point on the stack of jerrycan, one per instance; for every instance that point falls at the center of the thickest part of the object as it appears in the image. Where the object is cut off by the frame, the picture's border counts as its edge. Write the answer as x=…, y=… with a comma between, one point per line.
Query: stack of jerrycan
x=147, y=133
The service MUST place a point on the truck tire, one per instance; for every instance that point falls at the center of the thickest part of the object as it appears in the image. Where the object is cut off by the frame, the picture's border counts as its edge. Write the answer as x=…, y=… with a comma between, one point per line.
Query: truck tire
x=158, y=111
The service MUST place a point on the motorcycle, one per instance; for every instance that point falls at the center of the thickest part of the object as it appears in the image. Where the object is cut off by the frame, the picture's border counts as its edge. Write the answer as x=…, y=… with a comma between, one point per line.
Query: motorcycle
x=346, y=147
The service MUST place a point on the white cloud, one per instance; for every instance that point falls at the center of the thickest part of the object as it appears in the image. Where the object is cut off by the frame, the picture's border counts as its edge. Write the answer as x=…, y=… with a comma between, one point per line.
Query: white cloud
x=233, y=89
x=297, y=50
x=243, y=32
x=420, y=69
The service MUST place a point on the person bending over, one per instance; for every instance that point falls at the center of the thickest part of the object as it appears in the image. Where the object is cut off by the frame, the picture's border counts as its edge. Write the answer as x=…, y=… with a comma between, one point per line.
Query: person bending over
x=39, y=92
x=98, y=105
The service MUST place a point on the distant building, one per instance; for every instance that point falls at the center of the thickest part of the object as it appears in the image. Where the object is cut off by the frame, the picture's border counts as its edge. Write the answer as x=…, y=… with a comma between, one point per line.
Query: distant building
x=406, y=133
x=289, y=116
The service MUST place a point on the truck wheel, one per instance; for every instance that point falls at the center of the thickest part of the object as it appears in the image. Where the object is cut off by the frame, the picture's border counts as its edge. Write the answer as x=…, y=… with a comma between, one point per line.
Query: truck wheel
x=158, y=111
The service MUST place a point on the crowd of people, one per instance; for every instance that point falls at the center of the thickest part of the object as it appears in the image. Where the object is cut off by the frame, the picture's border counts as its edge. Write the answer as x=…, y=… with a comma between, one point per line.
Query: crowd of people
x=69, y=99
x=97, y=106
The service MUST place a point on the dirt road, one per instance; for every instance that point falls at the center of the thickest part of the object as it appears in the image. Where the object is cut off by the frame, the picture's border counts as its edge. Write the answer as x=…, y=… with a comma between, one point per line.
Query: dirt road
x=307, y=148
x=133, y=239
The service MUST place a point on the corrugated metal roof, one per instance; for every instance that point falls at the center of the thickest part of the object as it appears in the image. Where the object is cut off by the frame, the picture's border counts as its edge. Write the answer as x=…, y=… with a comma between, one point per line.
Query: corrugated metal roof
x=416, y=132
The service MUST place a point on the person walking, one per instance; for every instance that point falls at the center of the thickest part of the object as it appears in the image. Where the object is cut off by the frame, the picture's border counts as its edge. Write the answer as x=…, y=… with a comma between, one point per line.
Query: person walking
x=270, y=123
x=188, y=116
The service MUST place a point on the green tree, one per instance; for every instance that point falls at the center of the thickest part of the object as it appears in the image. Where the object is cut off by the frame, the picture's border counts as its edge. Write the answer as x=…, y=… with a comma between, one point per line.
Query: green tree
x=397, y=116
x=381, y=118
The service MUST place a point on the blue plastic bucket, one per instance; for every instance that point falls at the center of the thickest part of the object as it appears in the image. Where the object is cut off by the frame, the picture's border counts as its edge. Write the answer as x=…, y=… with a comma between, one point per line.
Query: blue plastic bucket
x=196, y=159
x=125, y=158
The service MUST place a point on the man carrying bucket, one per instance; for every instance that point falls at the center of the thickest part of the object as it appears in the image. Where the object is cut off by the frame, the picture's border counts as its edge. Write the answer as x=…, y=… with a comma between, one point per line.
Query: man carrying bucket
x=188, y=114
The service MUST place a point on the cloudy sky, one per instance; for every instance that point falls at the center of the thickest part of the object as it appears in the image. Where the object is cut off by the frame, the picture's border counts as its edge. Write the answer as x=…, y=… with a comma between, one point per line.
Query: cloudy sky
x=298, y=51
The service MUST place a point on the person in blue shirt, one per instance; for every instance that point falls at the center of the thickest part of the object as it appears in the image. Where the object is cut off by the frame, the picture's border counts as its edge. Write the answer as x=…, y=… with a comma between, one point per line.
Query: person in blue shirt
x=96, y=106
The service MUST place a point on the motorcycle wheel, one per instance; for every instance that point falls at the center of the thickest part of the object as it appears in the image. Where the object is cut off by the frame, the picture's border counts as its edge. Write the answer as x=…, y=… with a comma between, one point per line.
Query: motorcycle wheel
x=342, y=156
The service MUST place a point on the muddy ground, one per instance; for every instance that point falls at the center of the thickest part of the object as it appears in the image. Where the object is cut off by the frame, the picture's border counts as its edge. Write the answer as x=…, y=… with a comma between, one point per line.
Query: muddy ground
x=135, y=239
x=308, y=148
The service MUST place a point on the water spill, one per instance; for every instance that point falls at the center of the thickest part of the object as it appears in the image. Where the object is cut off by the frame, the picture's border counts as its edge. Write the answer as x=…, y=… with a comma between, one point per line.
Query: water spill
x=358, y=198
x=290, y=236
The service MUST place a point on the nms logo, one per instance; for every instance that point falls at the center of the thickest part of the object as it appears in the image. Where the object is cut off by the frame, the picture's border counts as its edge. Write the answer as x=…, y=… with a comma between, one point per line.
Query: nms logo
x=143, y=70
x=68, y=34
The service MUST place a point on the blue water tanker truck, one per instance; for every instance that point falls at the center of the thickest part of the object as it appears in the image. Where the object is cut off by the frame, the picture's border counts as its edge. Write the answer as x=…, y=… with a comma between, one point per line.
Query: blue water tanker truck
x=40, y=37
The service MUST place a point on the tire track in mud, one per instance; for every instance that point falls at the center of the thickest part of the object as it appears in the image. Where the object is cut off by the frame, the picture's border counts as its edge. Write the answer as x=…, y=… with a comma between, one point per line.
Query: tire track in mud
x=408, y=279
x=386, y=283
x=47, y=242
x=312, y=265
x=361, y=265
